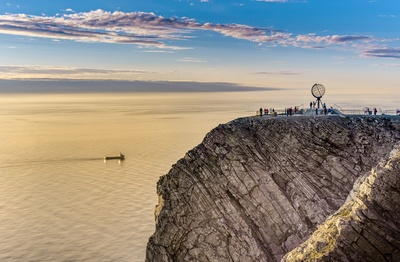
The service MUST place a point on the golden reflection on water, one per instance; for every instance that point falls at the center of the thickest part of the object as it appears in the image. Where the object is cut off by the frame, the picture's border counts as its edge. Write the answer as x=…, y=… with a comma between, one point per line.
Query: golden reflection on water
x=59, y=200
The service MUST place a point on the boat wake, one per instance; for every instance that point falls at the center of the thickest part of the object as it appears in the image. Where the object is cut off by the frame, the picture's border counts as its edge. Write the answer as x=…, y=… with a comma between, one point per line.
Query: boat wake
x=13, y=163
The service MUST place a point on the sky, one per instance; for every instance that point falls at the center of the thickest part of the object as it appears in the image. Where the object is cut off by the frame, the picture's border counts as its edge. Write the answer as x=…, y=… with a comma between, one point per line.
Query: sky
x=350, y=46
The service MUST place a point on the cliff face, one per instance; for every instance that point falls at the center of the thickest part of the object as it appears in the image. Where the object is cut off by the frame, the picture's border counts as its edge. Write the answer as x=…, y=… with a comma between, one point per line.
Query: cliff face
x=257, y=188
x=366, y=227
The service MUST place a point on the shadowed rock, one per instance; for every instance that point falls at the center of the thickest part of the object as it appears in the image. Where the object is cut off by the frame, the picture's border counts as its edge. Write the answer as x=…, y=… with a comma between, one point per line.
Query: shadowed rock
x=256, y=188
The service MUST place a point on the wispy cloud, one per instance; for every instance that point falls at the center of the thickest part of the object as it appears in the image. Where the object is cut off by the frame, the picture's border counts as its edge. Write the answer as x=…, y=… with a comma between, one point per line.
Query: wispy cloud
x=140, y=28
x=314, y=41
x=10, y=72
x=388, y=65
x=89, y=86
x=282, y=1
x=276, y=73
x=273, y=1
x=382, y=53
x=192, y=60
x=150, y=30
x=388, y=16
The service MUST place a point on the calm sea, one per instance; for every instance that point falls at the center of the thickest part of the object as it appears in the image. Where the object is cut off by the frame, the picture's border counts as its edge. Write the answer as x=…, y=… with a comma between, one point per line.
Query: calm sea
x=59, y=201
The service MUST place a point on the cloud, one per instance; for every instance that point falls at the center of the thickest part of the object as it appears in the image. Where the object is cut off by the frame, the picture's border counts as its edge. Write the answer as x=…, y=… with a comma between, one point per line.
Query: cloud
x=249, y=33
x=276, y=73
x=320, y=41
x=389, y=65
x=282, y=1
x=388, y=16
x=62, y=70
x=382, y=53
x=13, y=72
x=192, y=60
x=150, y=30
x=89, y=86
x=140, y=28
x=273, y=1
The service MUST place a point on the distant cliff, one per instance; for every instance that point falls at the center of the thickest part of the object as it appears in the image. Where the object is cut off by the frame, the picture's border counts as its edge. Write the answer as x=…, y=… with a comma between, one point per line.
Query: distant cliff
x=266, y=189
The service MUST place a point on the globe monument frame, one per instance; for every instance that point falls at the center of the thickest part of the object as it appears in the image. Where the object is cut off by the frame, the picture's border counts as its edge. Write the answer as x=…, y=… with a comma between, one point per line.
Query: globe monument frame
x=318, y=90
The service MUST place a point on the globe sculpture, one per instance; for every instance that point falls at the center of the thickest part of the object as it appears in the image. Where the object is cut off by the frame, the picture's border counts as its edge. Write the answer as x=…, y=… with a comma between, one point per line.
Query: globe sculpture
x=318, y=90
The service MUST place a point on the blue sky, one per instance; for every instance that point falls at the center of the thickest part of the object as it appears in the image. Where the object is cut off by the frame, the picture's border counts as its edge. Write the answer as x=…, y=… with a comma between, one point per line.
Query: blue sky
x=353, y=46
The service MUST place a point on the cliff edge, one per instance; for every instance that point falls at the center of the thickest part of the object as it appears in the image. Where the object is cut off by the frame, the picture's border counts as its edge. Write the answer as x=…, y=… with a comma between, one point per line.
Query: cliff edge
x=292, y=188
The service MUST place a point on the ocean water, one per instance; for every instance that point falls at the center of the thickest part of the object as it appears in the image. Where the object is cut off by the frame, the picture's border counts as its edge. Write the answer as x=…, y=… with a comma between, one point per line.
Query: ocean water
x=59, y=201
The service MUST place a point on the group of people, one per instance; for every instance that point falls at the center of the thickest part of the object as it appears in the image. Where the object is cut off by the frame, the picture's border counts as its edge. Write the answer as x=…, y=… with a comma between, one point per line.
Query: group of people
x=265, y=111
x=313, y=105
x=290, y=111
x=324, y=109
x=367, y=111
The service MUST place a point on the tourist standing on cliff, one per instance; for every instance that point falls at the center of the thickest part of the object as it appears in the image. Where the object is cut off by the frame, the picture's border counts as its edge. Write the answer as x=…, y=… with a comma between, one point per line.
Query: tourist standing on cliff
x=261, y=111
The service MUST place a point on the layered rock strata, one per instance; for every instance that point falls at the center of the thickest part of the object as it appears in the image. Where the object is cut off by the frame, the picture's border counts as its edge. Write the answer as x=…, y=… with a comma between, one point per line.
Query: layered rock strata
x=366, y=227
x=257, y=188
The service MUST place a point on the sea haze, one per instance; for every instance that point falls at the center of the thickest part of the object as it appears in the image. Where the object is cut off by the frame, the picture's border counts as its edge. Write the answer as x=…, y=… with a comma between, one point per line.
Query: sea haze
x=101, y=86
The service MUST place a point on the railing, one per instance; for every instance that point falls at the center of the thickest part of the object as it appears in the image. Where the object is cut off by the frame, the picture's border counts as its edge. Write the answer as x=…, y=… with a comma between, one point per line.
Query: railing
x=281, y=112
x=391, y=112
x=363, y=112
x=353, y=112
x=277, y=111
x=337, y=110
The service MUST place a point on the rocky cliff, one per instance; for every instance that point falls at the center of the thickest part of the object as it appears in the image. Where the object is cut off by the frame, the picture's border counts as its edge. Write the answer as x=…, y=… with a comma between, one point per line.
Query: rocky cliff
x=294, y=188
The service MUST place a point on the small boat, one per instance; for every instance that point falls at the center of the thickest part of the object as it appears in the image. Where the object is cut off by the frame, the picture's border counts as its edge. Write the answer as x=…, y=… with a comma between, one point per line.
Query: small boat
x=120, y=157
